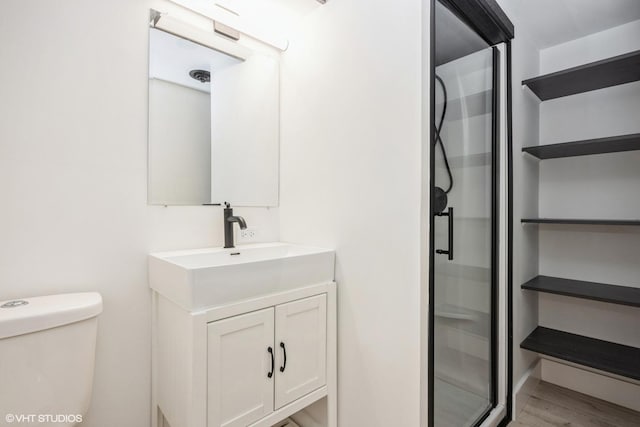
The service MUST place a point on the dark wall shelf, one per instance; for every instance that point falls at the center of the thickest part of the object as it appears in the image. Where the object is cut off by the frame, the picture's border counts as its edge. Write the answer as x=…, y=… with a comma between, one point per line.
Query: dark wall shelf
x=603, y=355
x=632, y=222
x=623, y=295
x=612, y=144
x=584, y=78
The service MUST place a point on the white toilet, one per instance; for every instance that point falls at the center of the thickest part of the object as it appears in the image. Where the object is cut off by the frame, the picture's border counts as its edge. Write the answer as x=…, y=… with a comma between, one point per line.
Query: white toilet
x=47, y=356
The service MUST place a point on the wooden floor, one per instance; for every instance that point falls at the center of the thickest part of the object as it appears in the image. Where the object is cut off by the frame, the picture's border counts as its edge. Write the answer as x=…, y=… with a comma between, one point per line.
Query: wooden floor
x=553, y=406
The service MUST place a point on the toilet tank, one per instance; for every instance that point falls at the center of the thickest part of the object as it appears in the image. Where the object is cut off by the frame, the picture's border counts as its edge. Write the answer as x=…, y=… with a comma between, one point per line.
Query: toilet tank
x=47, y=356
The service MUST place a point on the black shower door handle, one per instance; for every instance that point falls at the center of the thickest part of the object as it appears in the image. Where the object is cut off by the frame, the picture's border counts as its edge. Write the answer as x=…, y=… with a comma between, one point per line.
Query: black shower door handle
x=449, y=252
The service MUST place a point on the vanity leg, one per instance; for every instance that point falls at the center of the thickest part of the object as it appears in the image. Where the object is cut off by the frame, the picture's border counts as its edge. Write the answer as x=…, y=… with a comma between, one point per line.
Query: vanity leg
x=156, y=415
x=332, y=357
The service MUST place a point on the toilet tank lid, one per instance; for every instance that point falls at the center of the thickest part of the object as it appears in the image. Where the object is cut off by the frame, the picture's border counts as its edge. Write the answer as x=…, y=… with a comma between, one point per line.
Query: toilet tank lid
x=26, y=315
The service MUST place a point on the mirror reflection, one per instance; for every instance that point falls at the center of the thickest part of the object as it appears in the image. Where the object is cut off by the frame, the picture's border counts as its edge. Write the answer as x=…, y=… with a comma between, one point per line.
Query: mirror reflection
x=213, y=125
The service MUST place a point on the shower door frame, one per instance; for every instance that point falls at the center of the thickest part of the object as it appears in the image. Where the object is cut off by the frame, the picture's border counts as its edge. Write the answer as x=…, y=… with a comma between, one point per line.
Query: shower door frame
x=489, y=21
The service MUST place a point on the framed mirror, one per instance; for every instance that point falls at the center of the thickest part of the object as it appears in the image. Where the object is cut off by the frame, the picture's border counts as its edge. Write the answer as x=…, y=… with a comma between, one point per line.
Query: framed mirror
x=213, y=124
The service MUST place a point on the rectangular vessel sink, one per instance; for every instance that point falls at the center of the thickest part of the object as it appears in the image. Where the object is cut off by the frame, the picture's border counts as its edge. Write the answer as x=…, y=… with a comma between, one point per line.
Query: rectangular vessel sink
x=201, y=278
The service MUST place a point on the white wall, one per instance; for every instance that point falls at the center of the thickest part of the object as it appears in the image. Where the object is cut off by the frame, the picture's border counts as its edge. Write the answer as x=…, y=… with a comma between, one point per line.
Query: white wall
x=351, y=180
x=594, y=47
x=73, y=152
x=180, y=144
x=245, y=129
x=525, y=63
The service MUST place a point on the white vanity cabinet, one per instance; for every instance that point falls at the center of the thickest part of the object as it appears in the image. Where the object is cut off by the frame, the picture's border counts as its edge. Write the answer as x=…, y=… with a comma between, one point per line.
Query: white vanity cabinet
x=240, y=369
x=251, y=363
x=262, y=361
x=301, y=336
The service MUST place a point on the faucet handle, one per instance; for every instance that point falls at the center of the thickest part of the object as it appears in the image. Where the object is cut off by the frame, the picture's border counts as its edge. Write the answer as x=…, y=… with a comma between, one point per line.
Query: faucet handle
x=227, y=204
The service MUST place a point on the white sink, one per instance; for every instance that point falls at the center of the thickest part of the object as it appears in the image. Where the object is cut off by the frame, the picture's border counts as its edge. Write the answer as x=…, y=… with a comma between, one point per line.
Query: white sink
x=201, y=278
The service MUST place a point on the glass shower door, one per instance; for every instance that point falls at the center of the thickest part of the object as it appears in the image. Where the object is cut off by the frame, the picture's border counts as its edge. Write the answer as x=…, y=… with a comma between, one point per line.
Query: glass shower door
x=464, y=225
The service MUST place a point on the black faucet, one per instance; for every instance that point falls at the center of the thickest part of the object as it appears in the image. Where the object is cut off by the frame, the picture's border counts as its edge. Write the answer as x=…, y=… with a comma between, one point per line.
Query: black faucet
x=229, y=219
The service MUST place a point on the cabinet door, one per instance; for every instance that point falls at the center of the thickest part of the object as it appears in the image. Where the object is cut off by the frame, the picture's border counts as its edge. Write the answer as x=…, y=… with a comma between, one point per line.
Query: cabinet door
x=301, y=335
x=240, y=390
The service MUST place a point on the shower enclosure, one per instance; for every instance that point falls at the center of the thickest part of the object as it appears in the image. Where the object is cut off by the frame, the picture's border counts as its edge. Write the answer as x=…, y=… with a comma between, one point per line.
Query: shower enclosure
x=468, y=342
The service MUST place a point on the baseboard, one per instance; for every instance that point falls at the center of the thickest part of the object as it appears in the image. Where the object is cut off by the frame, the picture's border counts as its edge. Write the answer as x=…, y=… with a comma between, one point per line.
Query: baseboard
x=620, y=391
x=525, y=386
